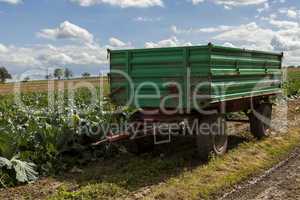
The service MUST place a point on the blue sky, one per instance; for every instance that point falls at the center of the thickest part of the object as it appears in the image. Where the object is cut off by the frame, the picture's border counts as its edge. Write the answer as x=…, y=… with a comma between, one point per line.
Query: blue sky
x=76, y=33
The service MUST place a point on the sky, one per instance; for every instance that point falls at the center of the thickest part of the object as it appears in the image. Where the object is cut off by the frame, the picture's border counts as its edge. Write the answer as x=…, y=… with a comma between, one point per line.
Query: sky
x=40, y=34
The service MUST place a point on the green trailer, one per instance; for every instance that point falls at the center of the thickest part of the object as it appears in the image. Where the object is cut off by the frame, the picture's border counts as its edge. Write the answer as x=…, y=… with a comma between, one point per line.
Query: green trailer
x=170, y=85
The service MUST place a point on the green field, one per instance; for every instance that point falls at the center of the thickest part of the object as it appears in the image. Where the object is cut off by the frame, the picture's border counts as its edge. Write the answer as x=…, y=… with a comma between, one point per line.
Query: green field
x=38, y=136
x=293, y=82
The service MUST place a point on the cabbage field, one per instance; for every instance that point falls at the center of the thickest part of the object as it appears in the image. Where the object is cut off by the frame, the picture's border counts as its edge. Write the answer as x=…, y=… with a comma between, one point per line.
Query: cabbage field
x=39, y=139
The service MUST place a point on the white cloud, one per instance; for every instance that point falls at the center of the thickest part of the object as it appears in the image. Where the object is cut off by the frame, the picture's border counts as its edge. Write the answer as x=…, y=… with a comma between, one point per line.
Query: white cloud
x=248, y=35
x=284, y=24
x=3, y=48
x=227, y=7
x=18, y=59
x=287, y=40
x=273, y=16
x=117, y=43
x=67, y=30
x=281, y=24
x=240, y=2
x=285, y=44
x=195, y=2
x=86, y=53
x=121, y=3
x=201, y=30
x=233, y=3
x=13, y=2
x=253, y=36
x=291, y=13
x=72, y=54
x=147, y=19
x=170, y=42
x=228, y=44
x=265, y=8
x=293, y=34
x=292, y=57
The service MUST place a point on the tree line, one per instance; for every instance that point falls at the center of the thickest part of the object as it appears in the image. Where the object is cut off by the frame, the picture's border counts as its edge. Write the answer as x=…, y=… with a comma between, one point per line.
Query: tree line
x=293, y=66
x=65, y=73
x=59, y=74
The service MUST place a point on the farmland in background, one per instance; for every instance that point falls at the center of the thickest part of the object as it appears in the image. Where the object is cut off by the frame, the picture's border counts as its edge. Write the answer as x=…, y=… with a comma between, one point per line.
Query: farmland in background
x=293, y=82
x=294, y=74
x=293, y=86
x=41, y=86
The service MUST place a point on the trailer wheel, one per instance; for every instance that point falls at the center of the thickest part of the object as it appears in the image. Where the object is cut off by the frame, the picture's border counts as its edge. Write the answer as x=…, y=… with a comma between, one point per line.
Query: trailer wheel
x=213, y=141
x=260, y=120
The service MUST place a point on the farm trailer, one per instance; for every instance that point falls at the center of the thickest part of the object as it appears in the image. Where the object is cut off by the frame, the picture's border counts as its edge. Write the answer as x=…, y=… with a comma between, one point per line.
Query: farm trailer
x=203, y=83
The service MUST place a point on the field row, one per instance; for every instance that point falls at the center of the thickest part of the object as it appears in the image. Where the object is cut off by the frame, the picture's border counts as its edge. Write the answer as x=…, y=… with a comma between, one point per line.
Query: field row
x=41, y=86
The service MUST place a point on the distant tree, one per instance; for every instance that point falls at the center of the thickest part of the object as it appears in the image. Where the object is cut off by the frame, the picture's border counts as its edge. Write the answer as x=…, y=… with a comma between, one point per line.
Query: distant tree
x=59, y=73
x=86, y=75
x=68, y=73
x=48, y=76
x=4, y=74
x=26, y=79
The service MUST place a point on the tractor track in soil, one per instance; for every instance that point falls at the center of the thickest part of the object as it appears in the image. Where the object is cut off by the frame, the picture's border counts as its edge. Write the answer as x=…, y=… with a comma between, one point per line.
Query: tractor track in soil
x=280, y=182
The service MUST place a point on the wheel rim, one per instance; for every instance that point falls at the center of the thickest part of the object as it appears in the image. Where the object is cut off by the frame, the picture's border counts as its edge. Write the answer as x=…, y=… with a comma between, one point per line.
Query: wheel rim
x=220, y=142
x=267, y=129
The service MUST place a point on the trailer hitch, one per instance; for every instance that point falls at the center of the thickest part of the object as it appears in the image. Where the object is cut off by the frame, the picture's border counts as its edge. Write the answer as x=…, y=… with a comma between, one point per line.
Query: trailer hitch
x=112, y=139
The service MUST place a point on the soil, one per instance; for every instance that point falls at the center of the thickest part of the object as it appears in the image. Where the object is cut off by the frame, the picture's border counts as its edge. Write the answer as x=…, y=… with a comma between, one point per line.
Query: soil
x=42, y=86
x=38, y=190
x=281, y=182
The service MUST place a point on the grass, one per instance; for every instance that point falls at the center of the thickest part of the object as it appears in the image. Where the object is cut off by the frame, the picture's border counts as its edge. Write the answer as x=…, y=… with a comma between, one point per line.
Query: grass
x=250, y=158
x=179, y=176
x=91, y=192
x=126, y=173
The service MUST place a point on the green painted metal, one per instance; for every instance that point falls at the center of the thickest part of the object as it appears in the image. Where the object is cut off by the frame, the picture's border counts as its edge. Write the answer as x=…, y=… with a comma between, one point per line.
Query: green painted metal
x=224, y=74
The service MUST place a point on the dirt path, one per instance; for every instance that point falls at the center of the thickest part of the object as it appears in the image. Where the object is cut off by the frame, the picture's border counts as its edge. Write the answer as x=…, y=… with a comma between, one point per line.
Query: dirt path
x=281, y=182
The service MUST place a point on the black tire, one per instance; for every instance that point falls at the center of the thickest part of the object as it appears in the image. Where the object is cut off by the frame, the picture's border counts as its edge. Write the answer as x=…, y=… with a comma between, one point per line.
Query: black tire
x=140, y=146
x=213, y=141
x=260, y=120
